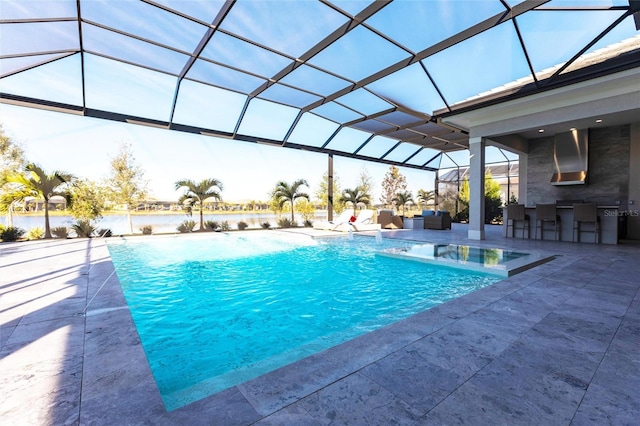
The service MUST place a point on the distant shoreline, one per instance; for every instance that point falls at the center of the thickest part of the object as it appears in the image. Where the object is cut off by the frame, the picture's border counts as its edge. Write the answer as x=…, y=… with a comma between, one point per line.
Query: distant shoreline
x=151, y=212
x=158, y=221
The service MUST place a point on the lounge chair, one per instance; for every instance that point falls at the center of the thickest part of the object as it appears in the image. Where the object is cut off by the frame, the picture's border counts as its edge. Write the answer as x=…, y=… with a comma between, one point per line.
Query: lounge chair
x=364, y=222
x=327, y=225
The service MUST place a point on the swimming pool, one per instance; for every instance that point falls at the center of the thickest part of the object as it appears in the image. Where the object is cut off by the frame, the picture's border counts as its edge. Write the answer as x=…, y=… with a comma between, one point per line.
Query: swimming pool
x=215, y=310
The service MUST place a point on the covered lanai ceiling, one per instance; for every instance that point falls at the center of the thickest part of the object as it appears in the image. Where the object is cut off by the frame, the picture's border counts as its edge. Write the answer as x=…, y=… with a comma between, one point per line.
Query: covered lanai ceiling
x=360, y=79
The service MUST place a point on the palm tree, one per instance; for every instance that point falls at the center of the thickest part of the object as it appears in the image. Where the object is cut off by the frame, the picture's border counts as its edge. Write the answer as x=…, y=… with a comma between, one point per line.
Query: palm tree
x=40, y=184
x=402, y=199
x=355, y=197
x=196, y=193
x=285, y=193
x=425, y=196
x=11, y=195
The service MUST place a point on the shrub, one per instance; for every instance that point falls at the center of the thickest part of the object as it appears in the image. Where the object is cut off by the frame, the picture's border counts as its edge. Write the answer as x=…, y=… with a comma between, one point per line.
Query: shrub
x=83, y=228
x=104, y=233
x=35, y=234
x=242, y=225
x=146, y=230
x=186, y=226
x=308, y=223
x=224, y=226
x=283, y=222
x=265, y=225
x=11, y=233
x=211, y=225
x=60, y=232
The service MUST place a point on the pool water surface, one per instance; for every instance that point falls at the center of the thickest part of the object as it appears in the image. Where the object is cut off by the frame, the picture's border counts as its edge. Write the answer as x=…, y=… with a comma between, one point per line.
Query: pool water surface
x=215, y=310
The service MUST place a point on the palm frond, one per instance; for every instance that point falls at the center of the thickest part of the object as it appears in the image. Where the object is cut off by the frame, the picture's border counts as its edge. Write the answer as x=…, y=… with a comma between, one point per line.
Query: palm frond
x=188, y=183
x=8, y=198
x=203, y=189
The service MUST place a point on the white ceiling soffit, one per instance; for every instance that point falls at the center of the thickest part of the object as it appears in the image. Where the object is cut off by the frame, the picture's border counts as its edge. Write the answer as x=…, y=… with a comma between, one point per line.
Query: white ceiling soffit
x=614, y=99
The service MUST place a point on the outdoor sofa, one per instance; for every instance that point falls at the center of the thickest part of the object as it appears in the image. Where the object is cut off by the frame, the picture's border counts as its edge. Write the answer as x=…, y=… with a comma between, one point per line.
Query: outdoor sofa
x=436, y=220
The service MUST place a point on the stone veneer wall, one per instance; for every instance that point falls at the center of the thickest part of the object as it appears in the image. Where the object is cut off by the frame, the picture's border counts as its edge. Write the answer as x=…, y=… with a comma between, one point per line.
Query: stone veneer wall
x=607, y=178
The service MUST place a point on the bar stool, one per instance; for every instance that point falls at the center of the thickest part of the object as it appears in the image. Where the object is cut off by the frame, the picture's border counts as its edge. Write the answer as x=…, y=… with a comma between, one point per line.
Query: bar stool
x=515, y=213
x=547, y=213
x=586, y=213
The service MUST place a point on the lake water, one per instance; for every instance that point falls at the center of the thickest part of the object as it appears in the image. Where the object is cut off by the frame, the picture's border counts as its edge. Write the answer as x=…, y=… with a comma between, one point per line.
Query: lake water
x=161, y=223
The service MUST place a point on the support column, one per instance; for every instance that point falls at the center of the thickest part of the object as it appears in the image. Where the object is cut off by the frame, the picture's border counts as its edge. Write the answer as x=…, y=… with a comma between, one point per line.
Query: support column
x=632, y=209
x=522, y=176
x=436, y=190
x=457, y=190
x=476, y=188
x=330, y=188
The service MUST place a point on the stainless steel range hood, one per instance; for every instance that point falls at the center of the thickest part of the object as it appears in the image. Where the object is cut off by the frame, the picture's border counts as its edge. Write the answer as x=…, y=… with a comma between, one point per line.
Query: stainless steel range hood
x=571, y=157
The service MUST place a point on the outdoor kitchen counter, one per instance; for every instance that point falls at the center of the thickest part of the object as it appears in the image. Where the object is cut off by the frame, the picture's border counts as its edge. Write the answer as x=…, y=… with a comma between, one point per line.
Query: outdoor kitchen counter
x=608, y=225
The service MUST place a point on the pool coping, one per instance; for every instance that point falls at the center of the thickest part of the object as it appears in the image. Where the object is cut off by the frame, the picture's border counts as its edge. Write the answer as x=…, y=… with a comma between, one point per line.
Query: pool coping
x=114, y=383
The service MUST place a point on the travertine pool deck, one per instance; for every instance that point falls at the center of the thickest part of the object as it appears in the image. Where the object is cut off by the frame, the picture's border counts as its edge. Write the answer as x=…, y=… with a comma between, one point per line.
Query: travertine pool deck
x=555, y=345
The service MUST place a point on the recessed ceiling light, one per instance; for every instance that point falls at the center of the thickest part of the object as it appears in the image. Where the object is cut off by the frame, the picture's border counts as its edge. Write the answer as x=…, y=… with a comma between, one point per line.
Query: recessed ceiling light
x=540, y=130
x=599, y=120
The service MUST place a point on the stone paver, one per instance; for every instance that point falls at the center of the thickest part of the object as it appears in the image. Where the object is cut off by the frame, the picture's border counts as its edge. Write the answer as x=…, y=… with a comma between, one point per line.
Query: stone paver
x=558, y=344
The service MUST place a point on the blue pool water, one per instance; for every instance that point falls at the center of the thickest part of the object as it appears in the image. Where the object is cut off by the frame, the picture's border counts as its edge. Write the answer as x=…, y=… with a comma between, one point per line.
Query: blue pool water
x=213, y=311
